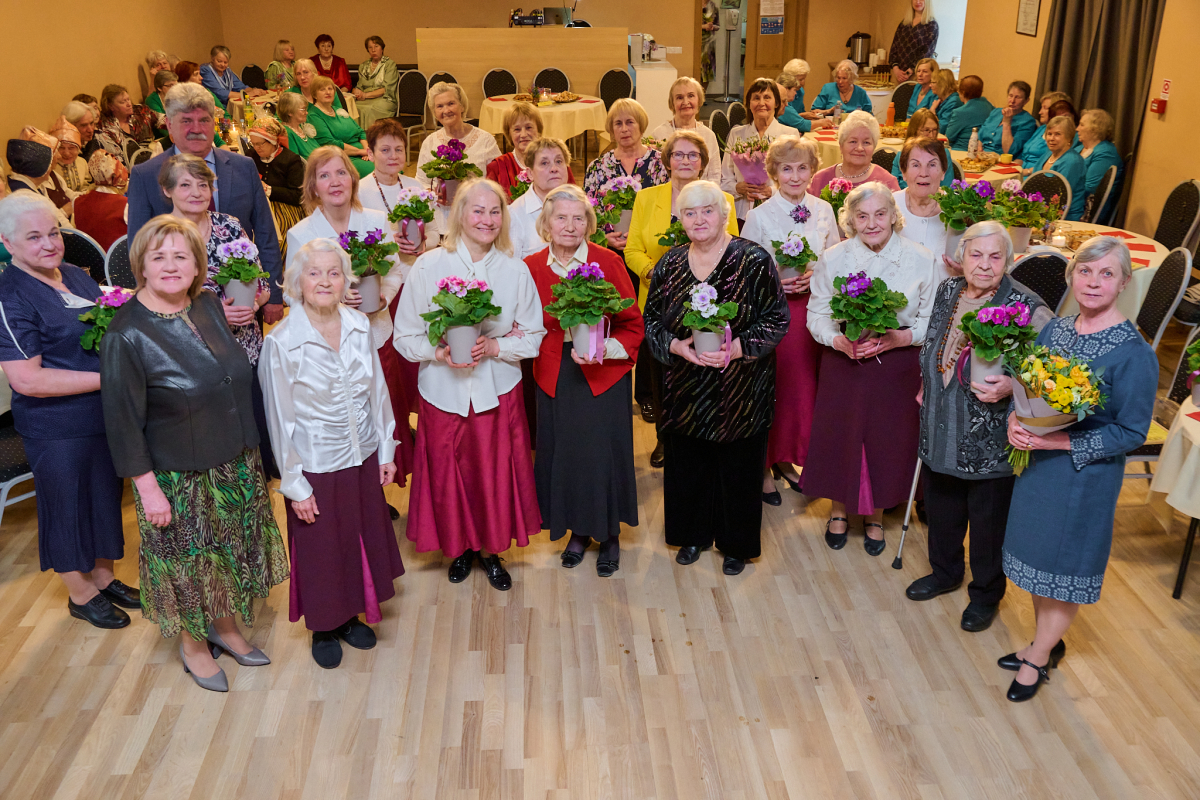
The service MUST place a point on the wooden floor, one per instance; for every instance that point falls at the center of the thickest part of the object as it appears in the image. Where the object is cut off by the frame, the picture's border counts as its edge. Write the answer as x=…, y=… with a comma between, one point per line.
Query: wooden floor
x=809, y=676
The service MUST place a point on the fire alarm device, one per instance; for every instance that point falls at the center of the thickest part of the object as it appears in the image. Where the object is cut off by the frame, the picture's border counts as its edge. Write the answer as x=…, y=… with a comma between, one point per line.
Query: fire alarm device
x=1158, y=106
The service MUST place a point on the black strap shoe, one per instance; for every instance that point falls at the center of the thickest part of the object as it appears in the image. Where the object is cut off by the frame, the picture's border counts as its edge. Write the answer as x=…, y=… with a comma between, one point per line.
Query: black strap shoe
x=1019, y=692
x=873, y=546
x=978, y=617
x=497, y=575
x=357, y=634
x=836, y=541
x=326, y=650
x=733, y=566
x=610, y=558
x=773, y=498
x=100, y=612
x=658, y=456
x=121, y=595
x=460, y=567
x=688, y=555
x=1011, y=663
x=927, y=588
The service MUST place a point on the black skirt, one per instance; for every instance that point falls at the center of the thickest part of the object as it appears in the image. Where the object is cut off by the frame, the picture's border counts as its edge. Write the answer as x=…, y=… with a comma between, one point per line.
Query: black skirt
x=584, y=468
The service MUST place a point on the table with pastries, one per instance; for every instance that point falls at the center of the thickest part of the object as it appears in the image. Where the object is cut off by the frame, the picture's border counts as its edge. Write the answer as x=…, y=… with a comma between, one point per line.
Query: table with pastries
x=1178, y=476
x=237, y=108
x=560, y=121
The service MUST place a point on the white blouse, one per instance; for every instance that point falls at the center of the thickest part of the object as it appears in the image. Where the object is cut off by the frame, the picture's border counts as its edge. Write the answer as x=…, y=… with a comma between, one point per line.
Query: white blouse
x=456, y=390
x=374, y=195
x=929, y=231
x=772, y=222
x=481, y=151
x=731, y=176
x=317, y=226
x=904, y=265
x=327, y=410
x=524, y=213
x=713, y=171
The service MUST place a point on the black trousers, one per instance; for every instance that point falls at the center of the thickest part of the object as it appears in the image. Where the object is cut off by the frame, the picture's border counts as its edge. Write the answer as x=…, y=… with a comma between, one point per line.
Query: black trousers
x=951, y=505
x=712, y=492
x=648, y=380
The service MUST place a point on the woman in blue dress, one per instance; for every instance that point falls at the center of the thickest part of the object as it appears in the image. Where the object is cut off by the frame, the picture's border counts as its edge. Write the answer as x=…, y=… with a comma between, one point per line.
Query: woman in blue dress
x=1060, y=132
x=948, y=99
x=843, y=91
x=1095, y=147
x=923, y=93
x=56, y=409
x=1008, y=128
x=1061, y=520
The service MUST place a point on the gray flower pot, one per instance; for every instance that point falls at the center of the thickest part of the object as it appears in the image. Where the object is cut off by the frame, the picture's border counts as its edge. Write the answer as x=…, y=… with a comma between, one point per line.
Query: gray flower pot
x=368, y=287
x=451, y=187
x=242, y=292
x=622, y=225
x=581, y=336
x=1020, y=239
x=1196, y=393
x=461, y=339
x=788, y=272
x=410, y=230
x=981, y=370
x=706, y=341
x=953, y=237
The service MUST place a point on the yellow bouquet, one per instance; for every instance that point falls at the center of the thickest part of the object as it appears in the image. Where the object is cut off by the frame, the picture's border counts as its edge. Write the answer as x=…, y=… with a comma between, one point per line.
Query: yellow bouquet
x=1052, y=392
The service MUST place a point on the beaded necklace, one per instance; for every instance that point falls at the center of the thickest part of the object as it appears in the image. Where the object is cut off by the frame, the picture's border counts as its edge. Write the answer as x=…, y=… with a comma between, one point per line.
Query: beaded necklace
x=941, y=368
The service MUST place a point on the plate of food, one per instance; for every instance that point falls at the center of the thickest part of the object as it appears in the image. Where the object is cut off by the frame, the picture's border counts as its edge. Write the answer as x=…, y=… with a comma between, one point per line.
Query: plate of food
x=524, y=97
x=893, y=131
x=982, y=164
x=891, y=140
x=566, y=97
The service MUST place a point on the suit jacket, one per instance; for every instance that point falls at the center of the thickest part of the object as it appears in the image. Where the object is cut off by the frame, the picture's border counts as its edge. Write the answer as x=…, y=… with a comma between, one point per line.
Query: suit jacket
x=239, y=193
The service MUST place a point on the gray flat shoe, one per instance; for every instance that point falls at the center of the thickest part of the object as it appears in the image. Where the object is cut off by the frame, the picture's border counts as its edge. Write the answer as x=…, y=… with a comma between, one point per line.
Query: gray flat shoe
x=255, y=658
x=214, y=683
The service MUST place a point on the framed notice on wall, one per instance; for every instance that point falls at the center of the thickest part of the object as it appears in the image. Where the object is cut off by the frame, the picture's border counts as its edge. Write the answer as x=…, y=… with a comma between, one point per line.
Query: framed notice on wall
x=770, y=26
x=1027, y=16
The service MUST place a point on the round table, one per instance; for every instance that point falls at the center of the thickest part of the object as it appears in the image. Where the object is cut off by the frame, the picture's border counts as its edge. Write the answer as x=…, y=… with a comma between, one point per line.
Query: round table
x=1147, y=255
x=560, y=121
x=997, y=175
x=1178, y=477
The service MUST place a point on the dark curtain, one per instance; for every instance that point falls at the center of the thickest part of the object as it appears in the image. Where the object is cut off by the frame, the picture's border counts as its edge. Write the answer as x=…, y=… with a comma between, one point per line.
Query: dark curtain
x=1101, y=53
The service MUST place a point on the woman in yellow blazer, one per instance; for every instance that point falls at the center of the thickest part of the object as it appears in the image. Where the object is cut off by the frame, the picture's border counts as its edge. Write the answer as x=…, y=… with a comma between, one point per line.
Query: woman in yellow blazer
x=685, y=156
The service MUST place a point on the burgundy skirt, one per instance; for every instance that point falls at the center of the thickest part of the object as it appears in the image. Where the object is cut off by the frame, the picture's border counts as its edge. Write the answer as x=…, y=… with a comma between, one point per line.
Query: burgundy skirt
x=344, y=563
x=797, y=364
x=864, y=446
x=400, y=374
x=472, y=482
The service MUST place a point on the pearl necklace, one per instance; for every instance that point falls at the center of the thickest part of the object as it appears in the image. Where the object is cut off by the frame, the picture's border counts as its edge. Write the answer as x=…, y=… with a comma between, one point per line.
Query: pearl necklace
x=852, y=178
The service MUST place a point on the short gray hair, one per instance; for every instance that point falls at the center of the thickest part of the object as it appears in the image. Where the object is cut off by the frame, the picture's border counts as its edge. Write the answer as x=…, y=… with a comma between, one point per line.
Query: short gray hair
x=163, y=77
x=219, y=48
x=981, y=230
x=848, y=65
x=75, y=110
x=698, y=194
x=1097, y=248
x=855, y=120
x=567, y=193
x=289, y=104
x=304, y=257
x=798, y=67
x=16, y=205
x=443, y=87
x=861, y=194
x=184, y=97
x=155, y=56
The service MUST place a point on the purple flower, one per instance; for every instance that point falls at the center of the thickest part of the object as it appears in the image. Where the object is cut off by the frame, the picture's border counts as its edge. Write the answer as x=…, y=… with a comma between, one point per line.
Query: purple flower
x=959, y=185
x=1036, y=197
x=800, y=214
x=856, y=285
x=373, y=237
x=1022, y=312
x=591, y=272
x=985, y=190
x=346, y=238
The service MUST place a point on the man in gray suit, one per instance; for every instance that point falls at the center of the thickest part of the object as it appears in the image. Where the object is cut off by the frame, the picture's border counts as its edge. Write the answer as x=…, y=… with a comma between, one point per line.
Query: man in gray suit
x=238, y=191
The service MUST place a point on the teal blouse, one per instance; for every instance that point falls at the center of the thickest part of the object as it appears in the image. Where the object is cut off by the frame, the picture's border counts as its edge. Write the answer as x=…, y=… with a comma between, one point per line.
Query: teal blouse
x=1103, y=156
x=925, y=102
x=791, y=117
x=1023, y=126
x=970, y=115
x=1070, y=165
x=829, y=97
x=946, y=109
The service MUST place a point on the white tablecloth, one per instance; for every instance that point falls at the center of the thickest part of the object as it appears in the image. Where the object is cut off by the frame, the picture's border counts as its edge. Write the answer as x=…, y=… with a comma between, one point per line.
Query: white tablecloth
x=560, y=121
x=5, y=393
x=1178, y=473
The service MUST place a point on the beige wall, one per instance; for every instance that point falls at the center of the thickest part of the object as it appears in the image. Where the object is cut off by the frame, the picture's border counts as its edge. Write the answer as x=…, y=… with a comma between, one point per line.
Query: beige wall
x=78, y=47
x=993, y=50
x=830, y=24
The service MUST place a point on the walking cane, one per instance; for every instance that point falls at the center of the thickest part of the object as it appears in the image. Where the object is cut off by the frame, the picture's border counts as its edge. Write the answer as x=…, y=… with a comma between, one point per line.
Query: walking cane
x=898, y=561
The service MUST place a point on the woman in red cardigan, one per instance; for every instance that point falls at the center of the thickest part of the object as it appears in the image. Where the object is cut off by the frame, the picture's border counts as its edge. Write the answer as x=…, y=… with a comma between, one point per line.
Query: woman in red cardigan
x=329, y=65
x=584, y=472
x=522, y=124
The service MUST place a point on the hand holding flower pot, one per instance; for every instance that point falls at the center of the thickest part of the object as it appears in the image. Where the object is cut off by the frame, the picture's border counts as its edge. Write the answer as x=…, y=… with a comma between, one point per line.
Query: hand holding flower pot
x=239, y=272
x=461, y=306
x=793, y=255
x=369, y=261
x=450, y=166
x=710, y=324
x=412, y=212
x=581, y=303
x=993, y=333
x=866, y=308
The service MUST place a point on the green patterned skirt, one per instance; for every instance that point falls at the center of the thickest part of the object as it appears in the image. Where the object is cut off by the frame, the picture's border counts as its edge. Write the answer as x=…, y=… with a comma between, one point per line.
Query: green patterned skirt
x=221, y=550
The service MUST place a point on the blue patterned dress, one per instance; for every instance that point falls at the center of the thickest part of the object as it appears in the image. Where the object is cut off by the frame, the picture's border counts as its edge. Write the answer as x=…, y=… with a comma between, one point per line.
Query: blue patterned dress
x=1061, y=520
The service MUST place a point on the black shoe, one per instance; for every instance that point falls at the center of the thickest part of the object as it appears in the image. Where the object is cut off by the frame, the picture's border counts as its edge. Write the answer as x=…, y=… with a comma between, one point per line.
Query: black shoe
x=777, y=473
x=393, y=512
x=570, y=559
x=609, y=560
x=648, y=412
x=1012, y=663
x=497, y=575
x=460, y=567
x=357, y=635
x=927, y=588
x=873, y=546
x=1019, y=692
x=657, y=457
x=121, y=595
x=733, y=566
x=100, y=612
x=326, y=649
x=836, y=541
x=688, y=555
x=773, y=498
x=978, y=617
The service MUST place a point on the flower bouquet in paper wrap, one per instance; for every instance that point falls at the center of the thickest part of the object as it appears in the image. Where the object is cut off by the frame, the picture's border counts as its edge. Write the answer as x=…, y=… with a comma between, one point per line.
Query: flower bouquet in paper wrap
x=1051, y=392
x=750, y=157
x=992, y=333
x=101, y=314
x=582, y=303
x=412, y=212
x=618, y=197
x=239, y=271
x=793, y=255
x=369, y=261
x=674, y=235
x=460, y=307
x=866, y=307
x=709, y=320
x=835, y=193
x=450, y=166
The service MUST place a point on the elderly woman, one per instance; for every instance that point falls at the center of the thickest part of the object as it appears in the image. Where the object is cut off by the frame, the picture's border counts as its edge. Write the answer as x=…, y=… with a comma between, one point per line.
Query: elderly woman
x=122, y=123
x=189, y=72
x=1035, y=148
x=685, y=157
x=790, y=87
x=1099, y=153
x=965, y=472
x=923, y=124
x=1060, y=132
x=103, y=213
x=792, y=211
x=842, y=95
x=69, y=173
x=335, y=127
x=924, y=162
x=1007, y=129
x=586, y=482
x=858, y=136
x=56, y=409
x=522, y=124
x=915, y=38
x=218, y=78
x=764, y=104
x=281, y=72
x=1060, y=557
x=329, y=65
x=377, y=81
x=336, y=452
x=448, y=104
x=685, y=99
x=280, y=170
x=630, y=158
x=175, y=385
x=945, y=86
x=923, y=95
x=473, y=440
x=31, y=160
x=546, y=163
x=301, y=135
x=716, y=406
x=306, y=73
x=157, y=61
x=163, y=81
x=859, y=458
x=972, y=114
x=84, y=119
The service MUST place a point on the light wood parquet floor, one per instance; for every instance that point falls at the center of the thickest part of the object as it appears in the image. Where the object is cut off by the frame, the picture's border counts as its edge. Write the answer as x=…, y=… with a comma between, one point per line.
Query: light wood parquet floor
x=809, y=676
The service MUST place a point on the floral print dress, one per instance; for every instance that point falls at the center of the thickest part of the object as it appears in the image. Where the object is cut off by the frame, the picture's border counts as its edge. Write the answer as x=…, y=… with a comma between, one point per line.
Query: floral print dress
x=226, y=228
x=649, y=169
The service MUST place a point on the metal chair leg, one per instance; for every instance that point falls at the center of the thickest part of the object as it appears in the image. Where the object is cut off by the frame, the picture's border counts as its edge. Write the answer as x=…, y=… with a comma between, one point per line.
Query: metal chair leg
x=1187, y=557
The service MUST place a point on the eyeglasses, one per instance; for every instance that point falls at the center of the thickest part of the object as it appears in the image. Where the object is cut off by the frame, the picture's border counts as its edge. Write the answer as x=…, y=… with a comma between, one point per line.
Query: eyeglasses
x=678, y=156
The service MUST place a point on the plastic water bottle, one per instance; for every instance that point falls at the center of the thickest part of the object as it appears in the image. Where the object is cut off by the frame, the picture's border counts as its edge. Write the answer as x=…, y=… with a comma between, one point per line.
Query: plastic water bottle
x=974, y=146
